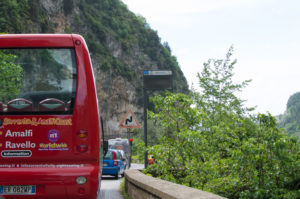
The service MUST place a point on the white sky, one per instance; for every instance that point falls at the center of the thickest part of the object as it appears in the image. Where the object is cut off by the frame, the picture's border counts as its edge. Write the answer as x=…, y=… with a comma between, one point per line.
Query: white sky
x=265, y=35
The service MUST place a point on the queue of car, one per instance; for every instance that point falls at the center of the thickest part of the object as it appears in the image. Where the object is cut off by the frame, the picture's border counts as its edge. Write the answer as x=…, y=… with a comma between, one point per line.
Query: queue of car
x=114, y=163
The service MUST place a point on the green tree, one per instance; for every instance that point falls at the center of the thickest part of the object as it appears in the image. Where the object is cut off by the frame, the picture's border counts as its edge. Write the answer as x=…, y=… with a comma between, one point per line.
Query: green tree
x=10, y=76
x=212, y=142
x=12, y=15
x=218, y=92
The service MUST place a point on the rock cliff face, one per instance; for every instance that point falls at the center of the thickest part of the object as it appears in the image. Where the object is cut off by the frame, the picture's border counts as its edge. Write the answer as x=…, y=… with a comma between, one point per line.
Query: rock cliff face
x=121, y=44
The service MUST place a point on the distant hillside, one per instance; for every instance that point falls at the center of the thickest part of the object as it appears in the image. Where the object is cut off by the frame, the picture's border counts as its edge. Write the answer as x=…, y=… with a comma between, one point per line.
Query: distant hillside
x=122, y=45
x=290, y=120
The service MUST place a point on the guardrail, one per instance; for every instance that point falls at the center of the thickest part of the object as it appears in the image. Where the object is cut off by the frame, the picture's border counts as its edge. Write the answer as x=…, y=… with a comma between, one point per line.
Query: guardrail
x=138, y=185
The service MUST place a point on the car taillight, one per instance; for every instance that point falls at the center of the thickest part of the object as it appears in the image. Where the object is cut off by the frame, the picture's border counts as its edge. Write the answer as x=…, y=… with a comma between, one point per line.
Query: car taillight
x=82, y=134
x=82, y=148
x=115, y=159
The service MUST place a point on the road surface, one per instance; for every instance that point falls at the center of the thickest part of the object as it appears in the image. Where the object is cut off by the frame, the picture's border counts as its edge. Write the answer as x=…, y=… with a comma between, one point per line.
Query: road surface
x=110, y=187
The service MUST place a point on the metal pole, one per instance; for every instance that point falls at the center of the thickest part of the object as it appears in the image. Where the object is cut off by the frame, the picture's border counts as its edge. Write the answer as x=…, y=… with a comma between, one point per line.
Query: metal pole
x=130, y=152
x=130, y=158
x=145, y=125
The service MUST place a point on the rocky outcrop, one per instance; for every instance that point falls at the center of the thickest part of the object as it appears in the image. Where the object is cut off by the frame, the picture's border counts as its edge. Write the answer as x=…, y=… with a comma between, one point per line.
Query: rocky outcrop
x=116, y=94
x=121, y=44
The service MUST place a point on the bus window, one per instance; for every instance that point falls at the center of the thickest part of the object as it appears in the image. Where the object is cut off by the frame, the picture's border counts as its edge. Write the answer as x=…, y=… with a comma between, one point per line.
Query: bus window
x=50, y=135
x=41, y=74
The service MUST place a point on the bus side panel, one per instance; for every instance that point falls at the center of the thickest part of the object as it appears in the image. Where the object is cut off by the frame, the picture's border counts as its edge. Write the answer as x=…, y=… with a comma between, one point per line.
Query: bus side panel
x=87, y=107
x=86, y=113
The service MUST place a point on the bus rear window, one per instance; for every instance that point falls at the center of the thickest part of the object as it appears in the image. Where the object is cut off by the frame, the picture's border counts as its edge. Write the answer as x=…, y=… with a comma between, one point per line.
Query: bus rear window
x=37, y=81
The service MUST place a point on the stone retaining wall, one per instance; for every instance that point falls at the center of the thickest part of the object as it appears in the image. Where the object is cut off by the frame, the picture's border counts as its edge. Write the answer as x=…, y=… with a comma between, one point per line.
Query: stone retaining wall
x=140, y=186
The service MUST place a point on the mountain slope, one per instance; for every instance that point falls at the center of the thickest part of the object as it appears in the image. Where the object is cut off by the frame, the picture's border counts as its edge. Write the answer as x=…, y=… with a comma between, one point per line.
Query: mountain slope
x=121, y=44
x=290, y=120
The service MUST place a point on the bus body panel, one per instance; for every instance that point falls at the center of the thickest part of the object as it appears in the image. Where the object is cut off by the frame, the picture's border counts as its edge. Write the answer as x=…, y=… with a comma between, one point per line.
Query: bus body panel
x=53, y=182
x=44, y=150
x=37, y=40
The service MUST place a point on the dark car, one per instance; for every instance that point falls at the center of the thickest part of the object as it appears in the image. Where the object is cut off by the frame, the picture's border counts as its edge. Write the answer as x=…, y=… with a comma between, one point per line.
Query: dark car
x=113, y=164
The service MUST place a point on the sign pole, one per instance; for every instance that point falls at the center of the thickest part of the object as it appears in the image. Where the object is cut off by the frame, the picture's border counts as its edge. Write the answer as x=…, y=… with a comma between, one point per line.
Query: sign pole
x=130, y=152
x=145, y=126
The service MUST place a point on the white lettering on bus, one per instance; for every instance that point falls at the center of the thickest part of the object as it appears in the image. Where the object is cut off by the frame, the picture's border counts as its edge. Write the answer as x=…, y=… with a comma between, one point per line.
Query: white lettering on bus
x=24, y=145
x=26, y=133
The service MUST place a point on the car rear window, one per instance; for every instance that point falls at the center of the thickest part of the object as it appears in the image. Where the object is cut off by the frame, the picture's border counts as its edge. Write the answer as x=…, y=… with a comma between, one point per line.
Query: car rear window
x=109, y=155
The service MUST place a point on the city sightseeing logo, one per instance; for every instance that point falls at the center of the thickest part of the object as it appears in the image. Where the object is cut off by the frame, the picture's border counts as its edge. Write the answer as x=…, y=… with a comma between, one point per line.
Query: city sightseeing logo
x=53, y=135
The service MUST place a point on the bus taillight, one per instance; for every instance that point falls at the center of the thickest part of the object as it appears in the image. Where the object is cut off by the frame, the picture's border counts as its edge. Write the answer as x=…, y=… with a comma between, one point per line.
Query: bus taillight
x=81, y=191
x=82, y=134
x=82, y=148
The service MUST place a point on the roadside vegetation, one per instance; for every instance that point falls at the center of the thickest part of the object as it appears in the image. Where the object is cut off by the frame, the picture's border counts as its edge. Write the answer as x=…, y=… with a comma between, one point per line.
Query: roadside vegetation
x=210, y=141
x=123, y=191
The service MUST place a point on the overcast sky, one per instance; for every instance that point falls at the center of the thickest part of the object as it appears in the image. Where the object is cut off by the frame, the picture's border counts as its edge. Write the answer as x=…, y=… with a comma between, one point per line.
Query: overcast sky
x=265, y=35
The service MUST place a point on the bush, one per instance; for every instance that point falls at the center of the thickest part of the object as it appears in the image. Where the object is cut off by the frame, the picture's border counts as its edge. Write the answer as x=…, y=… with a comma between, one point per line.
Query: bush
x=211, y=142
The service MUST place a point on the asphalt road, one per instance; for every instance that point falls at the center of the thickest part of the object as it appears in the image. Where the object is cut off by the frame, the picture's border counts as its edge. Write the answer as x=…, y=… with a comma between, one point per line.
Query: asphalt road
x=110, y=187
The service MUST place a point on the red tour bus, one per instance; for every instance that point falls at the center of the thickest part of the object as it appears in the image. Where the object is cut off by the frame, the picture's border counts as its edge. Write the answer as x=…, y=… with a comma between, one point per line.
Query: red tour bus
x=50, y=134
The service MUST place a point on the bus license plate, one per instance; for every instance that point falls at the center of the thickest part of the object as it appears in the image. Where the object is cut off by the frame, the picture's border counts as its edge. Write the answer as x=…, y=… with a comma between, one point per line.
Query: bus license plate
x=18, y=189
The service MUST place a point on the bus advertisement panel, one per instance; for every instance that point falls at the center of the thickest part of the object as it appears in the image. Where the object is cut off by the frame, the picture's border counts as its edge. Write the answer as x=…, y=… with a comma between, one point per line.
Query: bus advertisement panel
x=49, y=121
